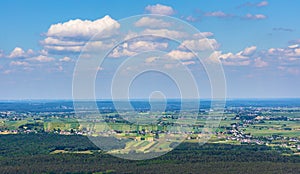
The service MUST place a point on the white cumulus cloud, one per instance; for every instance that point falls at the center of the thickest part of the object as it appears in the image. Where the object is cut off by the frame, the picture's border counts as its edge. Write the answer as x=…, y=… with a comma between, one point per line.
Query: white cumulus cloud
x=180, y=55
x=135, y=46
x=242, y=58
x=121, y=52
x=72, y=35
x=147, y=45
x=19, y=63
x=20, y=53
x=244, y=54
x=293, y=46
x=255, y=16
x=189, y=63
x=249, y=51
x=202, y=35
x=262, y=4
x=42, y=58
x=199, y=44
x=83, y=28
x=151, y=22
x=151, y=59
x=173, y=34
x=17, y=52
x=260, y=63
x=55, y=41
x=160, y=9
x=219, y=14
x=65, y=59
x=63, y=48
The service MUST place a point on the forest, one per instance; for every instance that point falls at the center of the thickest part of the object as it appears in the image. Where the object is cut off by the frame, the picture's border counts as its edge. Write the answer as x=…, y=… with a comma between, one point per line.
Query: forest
x=33, y=153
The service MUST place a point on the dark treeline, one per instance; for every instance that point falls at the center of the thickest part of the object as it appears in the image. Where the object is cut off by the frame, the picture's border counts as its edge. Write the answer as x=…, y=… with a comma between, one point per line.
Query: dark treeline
x=31, y=154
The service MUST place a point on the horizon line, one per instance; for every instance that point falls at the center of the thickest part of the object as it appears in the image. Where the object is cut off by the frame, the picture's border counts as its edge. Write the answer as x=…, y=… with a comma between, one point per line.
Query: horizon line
x=146, y=99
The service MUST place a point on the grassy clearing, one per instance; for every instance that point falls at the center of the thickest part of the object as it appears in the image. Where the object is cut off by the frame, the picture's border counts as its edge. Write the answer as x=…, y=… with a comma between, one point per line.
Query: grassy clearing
x=270, y=132
x=11, y=125
x=74, y=152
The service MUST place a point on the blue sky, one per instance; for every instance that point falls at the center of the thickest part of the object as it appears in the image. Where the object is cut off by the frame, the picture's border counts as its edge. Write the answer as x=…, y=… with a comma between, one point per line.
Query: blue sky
x=258, y=44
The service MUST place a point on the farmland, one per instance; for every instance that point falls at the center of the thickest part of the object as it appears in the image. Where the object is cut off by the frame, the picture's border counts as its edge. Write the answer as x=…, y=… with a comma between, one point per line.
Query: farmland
x=251, y=136
x=144, y=131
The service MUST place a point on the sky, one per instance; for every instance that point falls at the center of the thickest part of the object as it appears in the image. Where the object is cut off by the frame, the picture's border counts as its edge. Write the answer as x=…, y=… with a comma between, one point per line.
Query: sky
x=257, y=44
